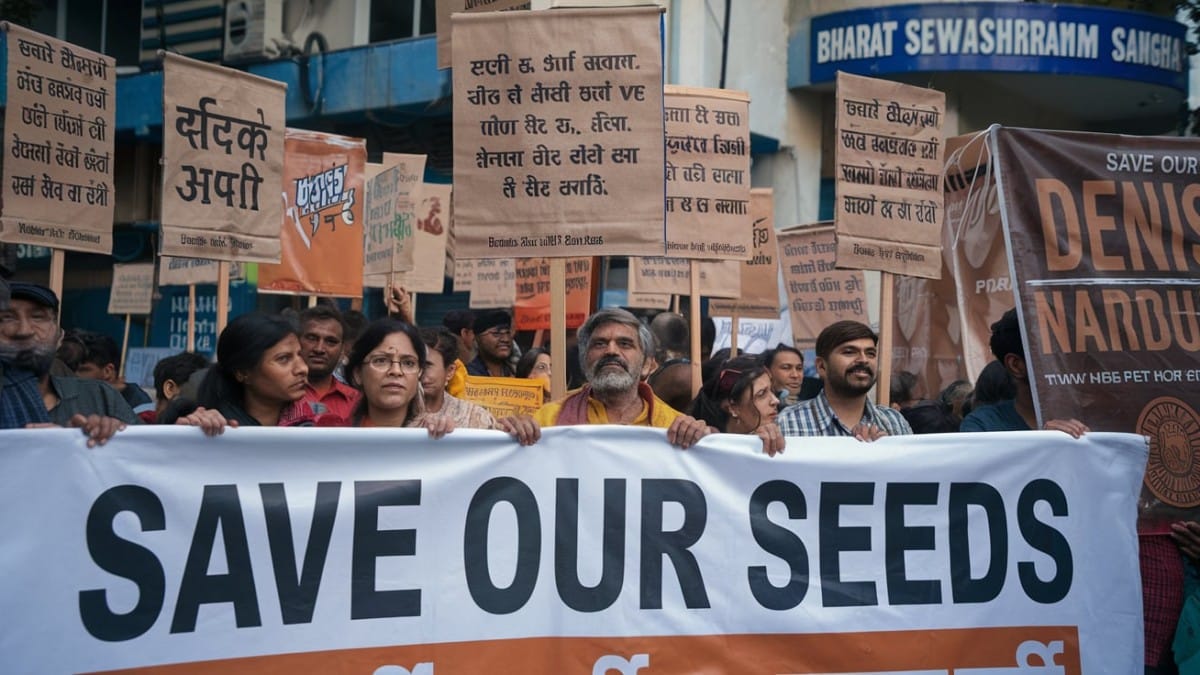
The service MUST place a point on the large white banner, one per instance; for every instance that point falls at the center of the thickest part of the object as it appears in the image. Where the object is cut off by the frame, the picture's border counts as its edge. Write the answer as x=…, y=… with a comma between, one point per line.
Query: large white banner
x=597, y=550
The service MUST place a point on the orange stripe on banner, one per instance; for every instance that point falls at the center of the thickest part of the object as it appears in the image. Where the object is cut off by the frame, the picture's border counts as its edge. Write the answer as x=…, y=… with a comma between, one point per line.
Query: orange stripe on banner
x=954, y=652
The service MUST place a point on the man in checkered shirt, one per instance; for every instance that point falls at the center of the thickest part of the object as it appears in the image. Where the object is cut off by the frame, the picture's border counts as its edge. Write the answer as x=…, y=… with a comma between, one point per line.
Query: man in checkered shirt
x=847, y=360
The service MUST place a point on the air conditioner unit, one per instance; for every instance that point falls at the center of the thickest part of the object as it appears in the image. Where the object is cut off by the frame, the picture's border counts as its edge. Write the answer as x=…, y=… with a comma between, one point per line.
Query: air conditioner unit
x=253, y=30
x=267, y=29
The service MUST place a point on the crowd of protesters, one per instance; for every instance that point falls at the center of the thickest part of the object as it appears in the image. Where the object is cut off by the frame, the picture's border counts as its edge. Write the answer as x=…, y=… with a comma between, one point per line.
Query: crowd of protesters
x=324, y=367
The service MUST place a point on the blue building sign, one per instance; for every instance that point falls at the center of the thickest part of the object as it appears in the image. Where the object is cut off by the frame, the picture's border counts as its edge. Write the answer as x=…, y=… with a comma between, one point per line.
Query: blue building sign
x=999, y=37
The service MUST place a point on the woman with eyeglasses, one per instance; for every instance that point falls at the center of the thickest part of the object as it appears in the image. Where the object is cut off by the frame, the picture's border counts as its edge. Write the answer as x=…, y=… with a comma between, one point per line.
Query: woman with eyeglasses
x=739, y=399
x=386, y=365
x=535, y=365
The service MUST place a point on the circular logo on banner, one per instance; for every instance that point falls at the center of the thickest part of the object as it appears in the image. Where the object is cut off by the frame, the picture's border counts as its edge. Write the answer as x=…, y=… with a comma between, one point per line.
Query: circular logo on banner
x=1173, y=471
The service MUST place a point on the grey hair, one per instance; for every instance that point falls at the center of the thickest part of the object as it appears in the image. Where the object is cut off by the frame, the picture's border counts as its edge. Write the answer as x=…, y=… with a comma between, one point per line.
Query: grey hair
x=607, y=316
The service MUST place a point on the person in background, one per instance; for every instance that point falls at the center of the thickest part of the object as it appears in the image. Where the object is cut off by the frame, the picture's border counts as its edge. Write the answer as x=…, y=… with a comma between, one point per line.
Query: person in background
x=322, y=348
x=461, y=324
x=670, y=368
x=739, y=400
x=31, y=396
x=355, y=322
x=955, y=396
x=1016, y=414
x=931, y=417
x=259, y=378
x=101, y=360
x=441, y=350
x=170, y=374
x=494, y=344
x=903, y=390
x=786, y=365
x=847, y=359
x=535, y=364
x=994, y=385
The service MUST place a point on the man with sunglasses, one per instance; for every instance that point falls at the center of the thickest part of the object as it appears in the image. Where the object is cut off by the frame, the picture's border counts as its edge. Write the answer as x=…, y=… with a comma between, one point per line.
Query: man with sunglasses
x=494, y=343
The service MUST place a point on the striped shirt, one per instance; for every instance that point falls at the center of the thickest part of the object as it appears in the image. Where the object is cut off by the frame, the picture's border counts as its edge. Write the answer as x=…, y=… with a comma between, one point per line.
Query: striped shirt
x=815, y=417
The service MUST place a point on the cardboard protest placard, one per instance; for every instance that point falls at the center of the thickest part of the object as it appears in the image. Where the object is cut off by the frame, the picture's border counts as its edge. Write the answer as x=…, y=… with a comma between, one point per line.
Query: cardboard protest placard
x=494, y=284
x=708, y=173
x=223, y=133
x=673, y=276
x=132, y=289
x=445, y=8
x=391, y=215
x=1104, y=236
x=888, y=156
x=409, y=186
x=942, y=326
x=759, y=298
x=648, y=300
x=323, y=219
x=818, y=293
x=505, y=396
x=531, y=308
x=464, y=275
x=429, y=241
x=558, y=133
x=188, y=271
x=57, y=185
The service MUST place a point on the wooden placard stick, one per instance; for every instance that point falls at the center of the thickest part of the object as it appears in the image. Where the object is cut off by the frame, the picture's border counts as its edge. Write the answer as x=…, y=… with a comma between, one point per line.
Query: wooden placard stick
x=883, y=383
x=222, y=296
x=124, y=347
x=733, y=335
x=694, y=328
x=191, y=322
x=58, y=259
x=558, y=327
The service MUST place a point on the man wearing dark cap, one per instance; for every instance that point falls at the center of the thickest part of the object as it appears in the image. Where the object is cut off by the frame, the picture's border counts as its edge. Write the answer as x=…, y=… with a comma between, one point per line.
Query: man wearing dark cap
x=493, y=340
x=29, y=337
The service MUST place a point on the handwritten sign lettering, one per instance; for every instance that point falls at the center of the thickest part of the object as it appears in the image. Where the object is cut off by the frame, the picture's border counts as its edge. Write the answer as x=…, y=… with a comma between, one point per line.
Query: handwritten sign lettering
x=223, y=148
x=888, y=155
x=57, y=184
x=558, y=133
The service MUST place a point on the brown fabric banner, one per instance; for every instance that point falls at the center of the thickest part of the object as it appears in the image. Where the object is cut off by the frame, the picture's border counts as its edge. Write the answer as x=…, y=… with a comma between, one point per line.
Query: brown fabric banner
x=1104, y=234
x=531, y=309
x=888, y=157
x=132, y=290
x=429, y=241
x=673, y=276
x=445, y=8
x=323, y=218
x=222, y=160
x=818, y=293
x=391, y=217
x=185, y=271
x=57, y=184
x=558, y=133
x=976, y=285
x=494, y=284
x=760, y=274
x=708, y=173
